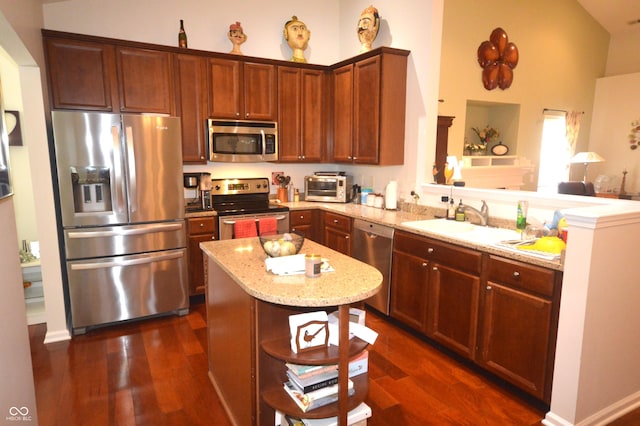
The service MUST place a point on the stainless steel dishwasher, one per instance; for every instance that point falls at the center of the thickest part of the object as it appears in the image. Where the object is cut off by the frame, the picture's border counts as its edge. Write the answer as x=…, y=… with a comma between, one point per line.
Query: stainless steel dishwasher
x=373, y=244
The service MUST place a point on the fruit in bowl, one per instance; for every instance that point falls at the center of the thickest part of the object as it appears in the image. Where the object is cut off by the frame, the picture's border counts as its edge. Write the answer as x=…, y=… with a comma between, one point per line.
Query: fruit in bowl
x=277, y=245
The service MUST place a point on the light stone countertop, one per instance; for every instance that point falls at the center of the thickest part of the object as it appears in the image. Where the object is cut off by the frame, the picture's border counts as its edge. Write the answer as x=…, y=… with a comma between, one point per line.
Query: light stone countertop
x=395, y=218
x=244, y=260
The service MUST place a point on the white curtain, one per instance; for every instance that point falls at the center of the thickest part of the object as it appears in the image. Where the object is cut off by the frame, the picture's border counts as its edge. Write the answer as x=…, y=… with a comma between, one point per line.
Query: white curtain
x=573, y=128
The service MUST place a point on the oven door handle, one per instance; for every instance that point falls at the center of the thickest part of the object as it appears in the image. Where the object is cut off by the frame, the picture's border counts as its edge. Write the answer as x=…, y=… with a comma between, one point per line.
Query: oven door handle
x=232, y=222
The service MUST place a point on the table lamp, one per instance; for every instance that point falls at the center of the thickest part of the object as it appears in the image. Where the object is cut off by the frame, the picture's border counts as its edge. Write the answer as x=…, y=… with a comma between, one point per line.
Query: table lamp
x=586, y=158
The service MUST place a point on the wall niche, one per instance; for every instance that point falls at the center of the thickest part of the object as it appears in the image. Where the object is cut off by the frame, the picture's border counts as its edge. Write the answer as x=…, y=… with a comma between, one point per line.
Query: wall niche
x=503, y=117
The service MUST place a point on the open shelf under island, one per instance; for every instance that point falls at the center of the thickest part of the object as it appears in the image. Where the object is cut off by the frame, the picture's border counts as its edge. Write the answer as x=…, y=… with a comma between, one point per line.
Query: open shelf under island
x=248, y=330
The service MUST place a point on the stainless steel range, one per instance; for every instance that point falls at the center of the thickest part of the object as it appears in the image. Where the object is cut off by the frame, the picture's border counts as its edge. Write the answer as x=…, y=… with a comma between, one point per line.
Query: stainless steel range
x=245, y=198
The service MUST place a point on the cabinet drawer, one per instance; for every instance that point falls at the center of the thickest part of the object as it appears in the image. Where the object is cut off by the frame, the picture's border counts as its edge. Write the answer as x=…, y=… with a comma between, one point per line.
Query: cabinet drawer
x=343, y=223
x=426, y=248
x=202, y=225
x=300, y=217
x=521, y=275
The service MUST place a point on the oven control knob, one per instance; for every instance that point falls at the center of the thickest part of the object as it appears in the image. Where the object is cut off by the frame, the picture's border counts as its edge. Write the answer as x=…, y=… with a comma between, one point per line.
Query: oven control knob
x=217, y=187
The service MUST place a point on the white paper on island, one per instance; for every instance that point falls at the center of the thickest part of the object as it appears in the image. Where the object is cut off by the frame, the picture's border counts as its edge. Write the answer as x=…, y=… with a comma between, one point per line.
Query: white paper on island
x=361, y=331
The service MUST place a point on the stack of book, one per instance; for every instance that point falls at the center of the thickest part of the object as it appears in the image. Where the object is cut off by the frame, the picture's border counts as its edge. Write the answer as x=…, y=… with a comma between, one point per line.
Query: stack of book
x=313, y=386
x=356, y=417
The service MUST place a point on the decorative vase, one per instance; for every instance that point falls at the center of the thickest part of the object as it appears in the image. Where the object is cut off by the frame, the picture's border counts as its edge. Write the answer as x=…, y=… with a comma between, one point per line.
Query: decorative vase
x=283, y=195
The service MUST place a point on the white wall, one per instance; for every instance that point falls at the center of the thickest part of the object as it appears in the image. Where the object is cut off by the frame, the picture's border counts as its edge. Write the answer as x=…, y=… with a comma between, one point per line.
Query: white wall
x=616, y=106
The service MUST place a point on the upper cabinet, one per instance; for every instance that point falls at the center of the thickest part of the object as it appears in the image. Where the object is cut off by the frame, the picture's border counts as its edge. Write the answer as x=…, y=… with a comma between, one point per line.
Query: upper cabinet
x=145, y=81
x=82, y=75
x=99, y=76
x=369, y=108
x=190, y=73
x=301, y=114
x=242, y=90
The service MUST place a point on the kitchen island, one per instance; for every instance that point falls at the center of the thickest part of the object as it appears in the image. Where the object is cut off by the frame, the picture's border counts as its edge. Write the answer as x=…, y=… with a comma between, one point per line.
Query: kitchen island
x=248, y=330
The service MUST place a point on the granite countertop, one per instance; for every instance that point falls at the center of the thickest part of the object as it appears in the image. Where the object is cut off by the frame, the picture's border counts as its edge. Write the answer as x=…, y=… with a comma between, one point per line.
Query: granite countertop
x=395, y=218
x=243, y=259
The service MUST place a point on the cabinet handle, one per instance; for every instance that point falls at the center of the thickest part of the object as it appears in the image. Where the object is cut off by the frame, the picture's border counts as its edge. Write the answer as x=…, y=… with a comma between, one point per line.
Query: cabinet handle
x=424, y=264
x=435, y=268
x=346, y=237
x=213, y=237
x=246, y=115
x=488, y=287
x=516, y=275
x=430, y=250
x=335, y=220
x=202, y=225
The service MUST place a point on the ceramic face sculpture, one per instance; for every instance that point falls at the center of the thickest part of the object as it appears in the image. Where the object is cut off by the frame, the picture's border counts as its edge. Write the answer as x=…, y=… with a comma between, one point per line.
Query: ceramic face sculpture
x=297, y=35
x=237, y=37
x=368, y=26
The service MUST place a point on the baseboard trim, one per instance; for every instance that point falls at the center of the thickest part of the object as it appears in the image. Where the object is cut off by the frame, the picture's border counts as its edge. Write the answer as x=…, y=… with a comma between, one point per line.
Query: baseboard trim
x=57, y=336
x=602, y=417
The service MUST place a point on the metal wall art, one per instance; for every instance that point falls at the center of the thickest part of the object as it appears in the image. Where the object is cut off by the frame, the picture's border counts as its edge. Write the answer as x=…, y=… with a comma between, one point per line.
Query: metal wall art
x=497, y=57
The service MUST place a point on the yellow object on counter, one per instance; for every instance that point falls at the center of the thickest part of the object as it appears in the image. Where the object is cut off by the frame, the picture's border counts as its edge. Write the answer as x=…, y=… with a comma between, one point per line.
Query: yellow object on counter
x=546, y=244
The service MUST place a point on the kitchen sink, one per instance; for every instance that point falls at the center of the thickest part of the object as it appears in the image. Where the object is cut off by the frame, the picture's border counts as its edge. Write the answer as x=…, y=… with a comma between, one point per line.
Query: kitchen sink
x=464, y=230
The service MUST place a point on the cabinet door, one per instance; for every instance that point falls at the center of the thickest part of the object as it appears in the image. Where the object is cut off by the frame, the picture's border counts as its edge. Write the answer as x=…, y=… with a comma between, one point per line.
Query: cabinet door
x=337, y=240
x=82, y=75
x=453, y=308
x=197, y=276
x=409, y=291
x=289, y=114
x=259, y=91
x=224, y=88
x=515, y=337
x=366, y=111
x=145, y=81
x=312, y=118
x=343, y=114
x=191, y=97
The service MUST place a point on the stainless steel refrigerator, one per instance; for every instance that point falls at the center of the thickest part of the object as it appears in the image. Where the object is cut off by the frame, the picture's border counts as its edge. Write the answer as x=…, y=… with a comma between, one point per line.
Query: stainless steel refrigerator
x=121, y=203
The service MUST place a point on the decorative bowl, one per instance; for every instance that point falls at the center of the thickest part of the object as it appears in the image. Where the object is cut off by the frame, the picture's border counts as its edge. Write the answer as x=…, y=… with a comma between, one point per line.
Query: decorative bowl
x=277, y=245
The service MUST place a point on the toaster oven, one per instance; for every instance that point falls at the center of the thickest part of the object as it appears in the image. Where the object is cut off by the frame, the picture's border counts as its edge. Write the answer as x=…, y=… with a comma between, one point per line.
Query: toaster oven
x=332, y=187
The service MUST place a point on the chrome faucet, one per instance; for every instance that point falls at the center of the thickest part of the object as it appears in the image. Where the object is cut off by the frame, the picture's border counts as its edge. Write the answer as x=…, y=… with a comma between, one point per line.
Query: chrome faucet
x=482, y=214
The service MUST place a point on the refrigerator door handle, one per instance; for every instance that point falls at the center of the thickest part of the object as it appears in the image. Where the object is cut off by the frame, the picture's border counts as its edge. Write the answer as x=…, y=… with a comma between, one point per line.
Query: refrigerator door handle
x=119, y=232
x=119, y=176
x=131, y=160
x=148, y=258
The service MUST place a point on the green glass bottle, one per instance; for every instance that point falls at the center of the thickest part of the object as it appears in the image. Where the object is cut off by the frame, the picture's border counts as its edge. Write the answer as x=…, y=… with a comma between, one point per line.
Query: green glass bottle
x=182, y=36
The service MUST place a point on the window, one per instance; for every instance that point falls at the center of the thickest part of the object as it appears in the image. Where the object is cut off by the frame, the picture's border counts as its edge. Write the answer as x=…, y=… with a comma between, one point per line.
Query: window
x=555, y=153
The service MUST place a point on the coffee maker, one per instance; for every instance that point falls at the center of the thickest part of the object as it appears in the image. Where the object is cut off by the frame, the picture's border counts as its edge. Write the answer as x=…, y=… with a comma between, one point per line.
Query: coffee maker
x=200, y=183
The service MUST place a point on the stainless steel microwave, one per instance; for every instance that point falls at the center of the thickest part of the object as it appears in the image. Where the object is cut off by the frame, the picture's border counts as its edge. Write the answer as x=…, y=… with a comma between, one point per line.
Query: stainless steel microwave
x=328, y=188
x=242, y=141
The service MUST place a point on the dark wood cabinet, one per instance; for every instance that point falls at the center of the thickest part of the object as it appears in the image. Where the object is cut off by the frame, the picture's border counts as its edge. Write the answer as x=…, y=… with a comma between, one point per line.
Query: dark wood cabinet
x=199, y=230
x=191, y=102
x=145, y=80
x=305, y=223
x=435, y=290
x=242, y=90
x=301, y=115
x=369, y=108
x=337, y=232
x=81, y=74
x=519, y=324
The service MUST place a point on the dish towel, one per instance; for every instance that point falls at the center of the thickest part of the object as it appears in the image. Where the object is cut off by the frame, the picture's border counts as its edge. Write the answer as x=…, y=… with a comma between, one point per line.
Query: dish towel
x=268, y=226
x=245, y=228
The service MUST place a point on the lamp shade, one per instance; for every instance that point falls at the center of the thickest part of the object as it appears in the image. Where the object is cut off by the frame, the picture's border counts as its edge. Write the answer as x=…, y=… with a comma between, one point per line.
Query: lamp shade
x=586, y=157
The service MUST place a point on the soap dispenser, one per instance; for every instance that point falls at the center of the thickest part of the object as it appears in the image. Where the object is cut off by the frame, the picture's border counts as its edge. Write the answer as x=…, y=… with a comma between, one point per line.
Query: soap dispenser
x=451, y=211
x=460, y=212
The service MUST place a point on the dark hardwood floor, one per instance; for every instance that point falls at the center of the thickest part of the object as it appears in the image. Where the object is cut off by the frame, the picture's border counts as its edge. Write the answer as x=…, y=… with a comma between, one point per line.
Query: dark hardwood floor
x=154, y=372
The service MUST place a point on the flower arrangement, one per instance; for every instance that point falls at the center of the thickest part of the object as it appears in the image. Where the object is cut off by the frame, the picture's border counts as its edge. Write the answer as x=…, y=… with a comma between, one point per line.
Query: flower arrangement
x=485, y=135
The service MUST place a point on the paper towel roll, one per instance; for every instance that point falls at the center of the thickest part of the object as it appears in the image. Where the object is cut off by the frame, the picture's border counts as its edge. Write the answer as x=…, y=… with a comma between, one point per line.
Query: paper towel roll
x=391, y=195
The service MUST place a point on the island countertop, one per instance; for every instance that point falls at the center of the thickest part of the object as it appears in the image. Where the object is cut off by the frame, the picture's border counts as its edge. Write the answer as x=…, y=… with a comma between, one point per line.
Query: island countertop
x=244, y=261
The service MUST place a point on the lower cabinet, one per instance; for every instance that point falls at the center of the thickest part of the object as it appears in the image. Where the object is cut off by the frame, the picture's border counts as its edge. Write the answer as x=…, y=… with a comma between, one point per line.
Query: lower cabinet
x=500, y=313
x=435, y=290
x=199, y=230
x=305, y=223
x=337, y=232
x=519, y=324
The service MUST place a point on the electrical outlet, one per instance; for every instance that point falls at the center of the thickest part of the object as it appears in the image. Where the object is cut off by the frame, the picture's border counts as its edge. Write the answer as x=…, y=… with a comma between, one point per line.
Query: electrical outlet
x=274, y=177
